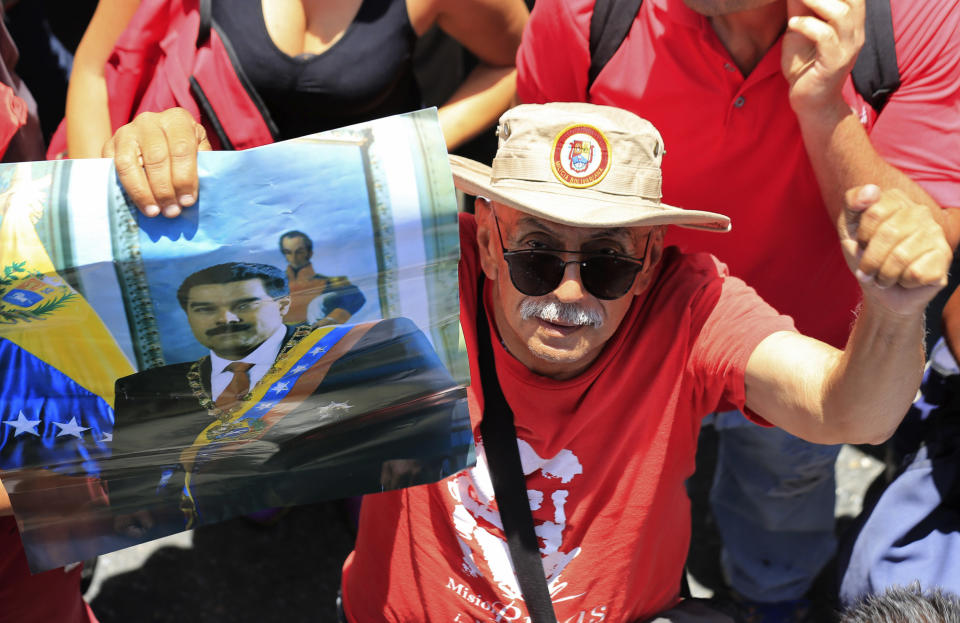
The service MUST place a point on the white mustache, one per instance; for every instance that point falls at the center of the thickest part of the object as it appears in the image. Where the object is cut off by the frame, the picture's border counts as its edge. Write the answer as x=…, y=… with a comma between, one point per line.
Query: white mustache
x=561, y=313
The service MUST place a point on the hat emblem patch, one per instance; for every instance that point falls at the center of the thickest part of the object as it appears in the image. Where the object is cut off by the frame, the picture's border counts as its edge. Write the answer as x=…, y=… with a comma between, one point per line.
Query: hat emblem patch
x=581, y=156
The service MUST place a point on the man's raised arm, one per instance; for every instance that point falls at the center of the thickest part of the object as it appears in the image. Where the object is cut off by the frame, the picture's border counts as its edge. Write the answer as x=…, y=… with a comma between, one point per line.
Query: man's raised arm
x=859, y=395
x=820, y=47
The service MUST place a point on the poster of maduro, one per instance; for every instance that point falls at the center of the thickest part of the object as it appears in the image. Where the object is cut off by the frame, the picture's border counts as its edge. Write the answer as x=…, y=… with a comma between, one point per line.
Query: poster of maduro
x=291, y=338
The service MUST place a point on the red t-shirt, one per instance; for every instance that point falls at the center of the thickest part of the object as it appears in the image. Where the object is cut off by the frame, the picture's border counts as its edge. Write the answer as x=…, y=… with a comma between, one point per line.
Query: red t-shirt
x=606, y=454
x=49, y=597
x=733, y=144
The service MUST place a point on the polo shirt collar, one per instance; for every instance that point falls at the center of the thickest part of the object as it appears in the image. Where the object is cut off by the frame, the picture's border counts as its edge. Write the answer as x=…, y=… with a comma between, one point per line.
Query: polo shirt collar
x=680, y=13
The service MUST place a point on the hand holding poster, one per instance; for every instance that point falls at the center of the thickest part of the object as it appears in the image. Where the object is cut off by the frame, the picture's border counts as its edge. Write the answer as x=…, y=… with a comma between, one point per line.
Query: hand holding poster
x=291, y=338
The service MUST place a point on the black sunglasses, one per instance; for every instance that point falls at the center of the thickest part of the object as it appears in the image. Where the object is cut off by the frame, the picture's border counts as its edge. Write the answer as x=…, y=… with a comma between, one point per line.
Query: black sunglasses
x=536, y=272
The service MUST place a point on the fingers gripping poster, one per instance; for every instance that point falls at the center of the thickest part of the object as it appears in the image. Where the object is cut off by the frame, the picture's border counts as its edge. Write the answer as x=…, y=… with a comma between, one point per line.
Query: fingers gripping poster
x=291, y=338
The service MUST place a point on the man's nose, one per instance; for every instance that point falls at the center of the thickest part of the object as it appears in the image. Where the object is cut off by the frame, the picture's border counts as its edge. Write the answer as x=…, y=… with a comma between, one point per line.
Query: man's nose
x=227, y=316
x=570, y=289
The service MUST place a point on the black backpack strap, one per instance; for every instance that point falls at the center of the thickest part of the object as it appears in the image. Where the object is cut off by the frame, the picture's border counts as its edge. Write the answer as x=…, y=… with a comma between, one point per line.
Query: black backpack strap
x=875, y=74
x=609, y=25
x=206, y=10
x=509, y=484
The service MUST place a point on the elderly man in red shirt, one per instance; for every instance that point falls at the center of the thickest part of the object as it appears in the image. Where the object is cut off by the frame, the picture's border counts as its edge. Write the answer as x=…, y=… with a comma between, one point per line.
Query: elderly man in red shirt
x=756, y=104
x=609, y=349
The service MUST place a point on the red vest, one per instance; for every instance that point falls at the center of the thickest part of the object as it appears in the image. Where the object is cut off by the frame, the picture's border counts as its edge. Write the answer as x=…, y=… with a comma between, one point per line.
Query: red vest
x=170, y=56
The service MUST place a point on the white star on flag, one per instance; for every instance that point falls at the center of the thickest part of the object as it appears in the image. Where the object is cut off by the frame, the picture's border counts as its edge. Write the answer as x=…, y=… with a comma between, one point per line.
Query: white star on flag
x=71, y=428
x=280, y=387
x=318, y=349
x=107, y=438
x=263, y=406
x=23, y=425
x=300, y=368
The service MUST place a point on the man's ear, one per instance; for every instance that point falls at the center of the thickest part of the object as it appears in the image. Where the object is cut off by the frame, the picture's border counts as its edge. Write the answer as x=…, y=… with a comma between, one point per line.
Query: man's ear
x=486, y=239
x=284, y=303
x=654, y=254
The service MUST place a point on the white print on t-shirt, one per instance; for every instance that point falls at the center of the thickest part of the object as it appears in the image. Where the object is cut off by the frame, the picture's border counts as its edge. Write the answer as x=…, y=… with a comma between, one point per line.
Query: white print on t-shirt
x=472, y=490
x=596, y=615
x=511, y=612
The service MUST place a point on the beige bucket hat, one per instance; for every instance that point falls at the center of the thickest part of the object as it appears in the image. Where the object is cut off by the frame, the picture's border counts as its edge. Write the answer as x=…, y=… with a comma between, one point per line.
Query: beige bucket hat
x=579, y=164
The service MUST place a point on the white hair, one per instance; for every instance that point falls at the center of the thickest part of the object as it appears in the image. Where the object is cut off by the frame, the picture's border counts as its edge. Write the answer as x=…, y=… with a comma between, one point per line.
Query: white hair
x=555, y=311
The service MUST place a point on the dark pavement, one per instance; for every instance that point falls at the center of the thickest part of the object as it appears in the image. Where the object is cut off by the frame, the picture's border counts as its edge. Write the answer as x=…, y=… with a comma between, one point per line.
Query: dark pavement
x=237, y=572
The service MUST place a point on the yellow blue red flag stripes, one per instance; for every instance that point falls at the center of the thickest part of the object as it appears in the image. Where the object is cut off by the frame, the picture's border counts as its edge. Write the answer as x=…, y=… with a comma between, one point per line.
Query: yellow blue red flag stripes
x=58, y=362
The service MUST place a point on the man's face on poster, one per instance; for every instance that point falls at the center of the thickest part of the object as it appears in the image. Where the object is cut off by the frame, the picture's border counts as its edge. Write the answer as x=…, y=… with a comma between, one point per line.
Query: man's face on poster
x=295, y=251
x=233, y=319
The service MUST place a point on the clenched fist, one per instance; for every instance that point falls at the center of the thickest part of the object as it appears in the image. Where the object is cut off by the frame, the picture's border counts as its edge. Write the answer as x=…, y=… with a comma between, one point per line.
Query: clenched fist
x=895, y=248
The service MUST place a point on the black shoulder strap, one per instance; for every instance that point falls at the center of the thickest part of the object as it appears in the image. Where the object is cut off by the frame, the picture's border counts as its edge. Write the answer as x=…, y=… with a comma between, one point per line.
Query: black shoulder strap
x=609, y=25
x=876, y=75
x=206, y=10
x=509, y=484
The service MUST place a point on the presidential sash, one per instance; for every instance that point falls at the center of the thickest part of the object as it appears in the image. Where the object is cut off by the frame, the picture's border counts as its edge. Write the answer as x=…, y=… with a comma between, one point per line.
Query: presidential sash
x=297, y=373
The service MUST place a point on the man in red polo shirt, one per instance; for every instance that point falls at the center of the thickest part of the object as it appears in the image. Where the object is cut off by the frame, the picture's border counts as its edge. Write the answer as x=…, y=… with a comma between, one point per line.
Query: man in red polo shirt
x=757, y=108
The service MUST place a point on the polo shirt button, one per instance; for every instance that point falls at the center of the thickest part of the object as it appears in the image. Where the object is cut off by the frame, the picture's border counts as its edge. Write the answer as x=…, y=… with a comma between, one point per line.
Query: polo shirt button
x=739, y=102
x=728, y=67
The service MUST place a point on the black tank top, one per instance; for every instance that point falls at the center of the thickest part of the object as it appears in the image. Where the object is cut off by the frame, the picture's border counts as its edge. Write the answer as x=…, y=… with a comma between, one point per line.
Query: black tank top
x=367, y=74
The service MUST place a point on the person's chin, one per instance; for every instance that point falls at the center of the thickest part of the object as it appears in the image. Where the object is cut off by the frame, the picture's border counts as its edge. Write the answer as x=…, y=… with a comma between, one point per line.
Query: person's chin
x=560, y=334
x=230, y=345
x=559, y=344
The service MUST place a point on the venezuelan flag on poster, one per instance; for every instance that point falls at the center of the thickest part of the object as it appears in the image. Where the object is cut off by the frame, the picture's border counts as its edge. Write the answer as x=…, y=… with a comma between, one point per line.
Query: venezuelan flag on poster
x=58, y=362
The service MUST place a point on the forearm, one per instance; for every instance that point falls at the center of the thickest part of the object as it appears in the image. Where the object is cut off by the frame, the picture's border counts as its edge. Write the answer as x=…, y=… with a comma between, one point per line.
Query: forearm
x=843, y=157
x=872, y=384
x=491, y=30
x=901, y=257
x=828, y=396
x=88, y=112
x=477, y=103
x=88, y=116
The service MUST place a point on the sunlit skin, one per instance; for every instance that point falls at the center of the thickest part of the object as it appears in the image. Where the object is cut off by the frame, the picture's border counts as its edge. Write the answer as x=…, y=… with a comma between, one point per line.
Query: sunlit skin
x=747, y=28
x=296, y=252
x=549, y=349
x=233, y=319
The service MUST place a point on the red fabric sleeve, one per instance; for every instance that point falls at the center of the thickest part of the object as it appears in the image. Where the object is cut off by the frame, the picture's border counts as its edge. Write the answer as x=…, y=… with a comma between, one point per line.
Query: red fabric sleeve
x=554, y=55
x=735, y=324
x=918, y=130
